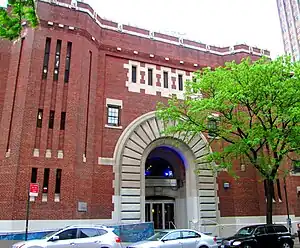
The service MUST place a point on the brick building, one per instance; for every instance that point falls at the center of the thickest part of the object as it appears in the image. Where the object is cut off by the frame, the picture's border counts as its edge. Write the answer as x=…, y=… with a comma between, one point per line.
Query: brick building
x=77, y=110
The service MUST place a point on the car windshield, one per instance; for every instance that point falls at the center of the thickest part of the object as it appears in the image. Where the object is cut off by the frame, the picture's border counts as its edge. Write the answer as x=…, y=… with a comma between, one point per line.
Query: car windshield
x=246, y=231
x=157, y=236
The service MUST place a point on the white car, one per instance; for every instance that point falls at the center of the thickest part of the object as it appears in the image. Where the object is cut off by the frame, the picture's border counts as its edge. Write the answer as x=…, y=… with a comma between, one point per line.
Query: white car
x=76, y=237
x=179, y=238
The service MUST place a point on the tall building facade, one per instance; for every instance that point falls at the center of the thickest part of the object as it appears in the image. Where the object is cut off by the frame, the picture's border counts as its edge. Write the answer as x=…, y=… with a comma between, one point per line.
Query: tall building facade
x=77, y=108
x=289, y=15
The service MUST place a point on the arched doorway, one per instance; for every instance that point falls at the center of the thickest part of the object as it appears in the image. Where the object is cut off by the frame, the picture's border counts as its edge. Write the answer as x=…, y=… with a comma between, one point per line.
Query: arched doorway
x=164, y=187
x=196, y=198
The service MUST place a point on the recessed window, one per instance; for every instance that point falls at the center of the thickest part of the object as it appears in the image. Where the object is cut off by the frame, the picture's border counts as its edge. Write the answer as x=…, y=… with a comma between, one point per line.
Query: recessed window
x=133, y=74
x=68, y=62
x=34, y=175
x=46, y=180
x=113, y=115
x=296, y=167
x=57, y=60
x=46, y=58
x=279, y=189
x=62, y=120
x=58, y=181
x=39, y=120
x=180, y=82
x=166, y=83
x=51, y=119
x=150, y=77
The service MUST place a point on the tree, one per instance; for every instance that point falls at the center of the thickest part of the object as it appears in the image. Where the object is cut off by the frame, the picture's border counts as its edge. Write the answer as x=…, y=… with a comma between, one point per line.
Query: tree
x=12, y=17
x=258, y=109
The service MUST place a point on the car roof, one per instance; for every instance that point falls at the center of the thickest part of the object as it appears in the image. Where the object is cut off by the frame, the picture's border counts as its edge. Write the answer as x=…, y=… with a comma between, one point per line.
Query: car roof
x=262, y=225
x=87, y=226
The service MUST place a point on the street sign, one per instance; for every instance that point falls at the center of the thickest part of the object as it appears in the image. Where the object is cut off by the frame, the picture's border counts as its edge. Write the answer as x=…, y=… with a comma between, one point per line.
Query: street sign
x=34, y=189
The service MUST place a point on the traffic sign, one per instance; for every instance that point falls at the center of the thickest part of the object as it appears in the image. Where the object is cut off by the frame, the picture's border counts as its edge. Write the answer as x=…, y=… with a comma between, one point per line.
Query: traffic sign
x=34, y=189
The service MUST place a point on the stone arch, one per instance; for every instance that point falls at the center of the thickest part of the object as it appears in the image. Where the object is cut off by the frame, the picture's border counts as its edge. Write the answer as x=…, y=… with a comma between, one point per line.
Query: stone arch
x=133, y=147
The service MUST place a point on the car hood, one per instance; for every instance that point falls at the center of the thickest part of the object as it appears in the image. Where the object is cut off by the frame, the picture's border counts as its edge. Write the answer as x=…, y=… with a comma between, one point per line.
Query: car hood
x=39, y=242
x=145, y=243
x=237, y=238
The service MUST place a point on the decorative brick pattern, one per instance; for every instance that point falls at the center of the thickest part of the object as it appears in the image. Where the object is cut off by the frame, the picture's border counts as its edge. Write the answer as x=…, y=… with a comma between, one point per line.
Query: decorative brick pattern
x=142, y=80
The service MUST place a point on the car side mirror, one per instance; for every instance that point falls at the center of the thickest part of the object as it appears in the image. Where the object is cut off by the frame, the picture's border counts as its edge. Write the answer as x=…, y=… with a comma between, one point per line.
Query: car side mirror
x=54, y=238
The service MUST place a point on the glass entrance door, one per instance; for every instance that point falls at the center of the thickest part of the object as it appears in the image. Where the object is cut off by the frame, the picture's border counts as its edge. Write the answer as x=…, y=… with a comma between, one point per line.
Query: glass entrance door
x=161, y=213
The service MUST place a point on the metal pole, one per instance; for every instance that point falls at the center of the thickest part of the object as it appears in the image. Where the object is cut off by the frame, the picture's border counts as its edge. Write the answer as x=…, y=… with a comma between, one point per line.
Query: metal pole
x=287, y=204
x=27, y=216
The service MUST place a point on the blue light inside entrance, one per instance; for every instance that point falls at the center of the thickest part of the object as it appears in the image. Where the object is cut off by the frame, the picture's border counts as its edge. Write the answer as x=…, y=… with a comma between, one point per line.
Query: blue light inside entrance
x=158, y=166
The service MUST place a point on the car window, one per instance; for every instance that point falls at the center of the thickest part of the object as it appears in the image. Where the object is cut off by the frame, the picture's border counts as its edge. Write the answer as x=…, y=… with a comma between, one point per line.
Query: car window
x=157, y=236
x=173, y=236
x=189, y=235
x=260, y=230
x=280, y=229
x=68, y=234
x=88, y=232
x=270, y=229
x=101, y=232
x=246, y=231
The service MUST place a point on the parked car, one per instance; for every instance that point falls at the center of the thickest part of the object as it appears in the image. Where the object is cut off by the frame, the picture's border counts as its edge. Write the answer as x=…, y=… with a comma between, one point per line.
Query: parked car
x=260, y=236
x=76, y=236
x=179, y=238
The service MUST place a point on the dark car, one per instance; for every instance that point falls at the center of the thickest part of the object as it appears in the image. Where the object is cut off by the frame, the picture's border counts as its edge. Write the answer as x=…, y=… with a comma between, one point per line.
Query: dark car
x=260, y=236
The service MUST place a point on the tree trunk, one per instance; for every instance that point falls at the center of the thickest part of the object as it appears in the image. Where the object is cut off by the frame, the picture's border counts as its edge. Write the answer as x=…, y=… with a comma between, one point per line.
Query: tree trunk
x=269, y=189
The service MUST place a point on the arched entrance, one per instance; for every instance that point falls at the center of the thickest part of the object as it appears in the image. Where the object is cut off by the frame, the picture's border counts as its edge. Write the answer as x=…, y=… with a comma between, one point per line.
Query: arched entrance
x=164, y=187
x=195, y=198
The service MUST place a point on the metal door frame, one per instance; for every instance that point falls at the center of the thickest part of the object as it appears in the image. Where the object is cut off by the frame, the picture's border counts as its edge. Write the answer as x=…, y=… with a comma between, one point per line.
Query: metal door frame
x=163, y=202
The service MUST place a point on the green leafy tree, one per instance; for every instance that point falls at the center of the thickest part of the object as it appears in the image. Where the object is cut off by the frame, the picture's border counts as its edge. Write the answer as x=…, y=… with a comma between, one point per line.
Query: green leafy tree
x=12, y=17
x=258, y=109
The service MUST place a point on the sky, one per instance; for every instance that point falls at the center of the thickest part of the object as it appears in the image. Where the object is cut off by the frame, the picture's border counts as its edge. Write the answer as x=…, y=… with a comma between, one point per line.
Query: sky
x=214, y=22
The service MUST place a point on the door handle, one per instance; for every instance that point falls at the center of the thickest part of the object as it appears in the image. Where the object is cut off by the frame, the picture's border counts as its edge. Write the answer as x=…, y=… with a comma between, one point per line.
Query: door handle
x=97, y=241
x=72, y=243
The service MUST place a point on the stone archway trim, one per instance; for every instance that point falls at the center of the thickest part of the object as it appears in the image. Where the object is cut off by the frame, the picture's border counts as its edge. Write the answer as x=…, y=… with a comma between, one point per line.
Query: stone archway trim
x=128, y=174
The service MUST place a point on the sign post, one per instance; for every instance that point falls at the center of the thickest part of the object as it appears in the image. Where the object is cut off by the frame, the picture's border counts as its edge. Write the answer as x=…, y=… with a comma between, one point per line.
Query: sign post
x=32, y=192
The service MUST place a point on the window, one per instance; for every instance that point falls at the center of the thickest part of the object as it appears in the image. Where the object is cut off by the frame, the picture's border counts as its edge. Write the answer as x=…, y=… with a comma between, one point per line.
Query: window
x=46, y=180
x=270, y=229
x=46, y=58
x=190, y=235
x=57, y=181
x=68, y=234
x=113, y=115
x=173, y=236
x=34, y=175
x=260, y=230
x=166, y=83
x=133, y=74
x=88, y=232
x=51, y=119
x=279, y=189
x=180, y=82
x=212, y=126
x=62, y=120
x=150, y=77
x=57, y=60
x=68, y=62
x=296, y=167
x=280, y=229
x=39, y=119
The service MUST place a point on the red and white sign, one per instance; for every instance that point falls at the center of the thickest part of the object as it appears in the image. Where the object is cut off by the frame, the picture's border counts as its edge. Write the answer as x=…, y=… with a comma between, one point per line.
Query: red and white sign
x=34, y=189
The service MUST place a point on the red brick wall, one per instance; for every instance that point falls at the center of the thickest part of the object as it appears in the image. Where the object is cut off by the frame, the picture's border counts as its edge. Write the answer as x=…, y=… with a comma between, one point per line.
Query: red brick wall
x=88, y=182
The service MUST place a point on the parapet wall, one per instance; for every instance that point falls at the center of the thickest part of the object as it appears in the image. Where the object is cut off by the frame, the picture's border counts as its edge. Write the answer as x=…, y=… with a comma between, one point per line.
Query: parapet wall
x=156, y=36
